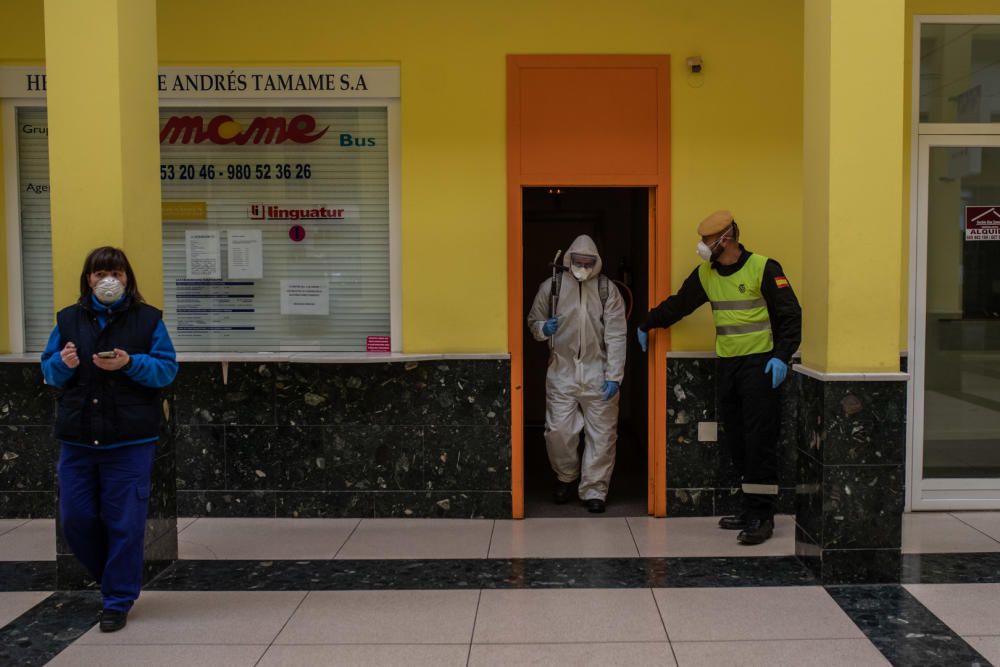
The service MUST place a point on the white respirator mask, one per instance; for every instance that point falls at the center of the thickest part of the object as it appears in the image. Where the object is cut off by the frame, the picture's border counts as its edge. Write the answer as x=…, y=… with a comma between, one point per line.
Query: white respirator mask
x=705, y=250
x=580, y=273
x=108, y=290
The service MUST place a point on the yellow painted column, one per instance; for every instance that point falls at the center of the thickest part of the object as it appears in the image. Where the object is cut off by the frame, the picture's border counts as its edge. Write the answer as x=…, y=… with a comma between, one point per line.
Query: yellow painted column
x=101, y=62
x=853, y=180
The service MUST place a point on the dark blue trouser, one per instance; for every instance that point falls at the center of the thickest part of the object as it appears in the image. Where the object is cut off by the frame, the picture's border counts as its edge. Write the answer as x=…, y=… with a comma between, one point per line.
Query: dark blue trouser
x=103, y=501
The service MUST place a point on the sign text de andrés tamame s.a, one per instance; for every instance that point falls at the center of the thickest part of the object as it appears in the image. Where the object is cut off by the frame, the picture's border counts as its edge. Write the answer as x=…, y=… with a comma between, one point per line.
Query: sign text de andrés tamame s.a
x=177, y=82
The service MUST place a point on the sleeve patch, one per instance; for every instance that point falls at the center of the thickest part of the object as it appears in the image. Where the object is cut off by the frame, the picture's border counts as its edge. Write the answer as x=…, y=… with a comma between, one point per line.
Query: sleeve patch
x=781, y=282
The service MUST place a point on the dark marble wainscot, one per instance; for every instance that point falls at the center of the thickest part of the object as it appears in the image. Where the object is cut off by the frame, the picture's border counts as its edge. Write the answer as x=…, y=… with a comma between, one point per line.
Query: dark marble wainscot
x=28, y=450
x=851, y=484
x=701, y=480
x=409, y=438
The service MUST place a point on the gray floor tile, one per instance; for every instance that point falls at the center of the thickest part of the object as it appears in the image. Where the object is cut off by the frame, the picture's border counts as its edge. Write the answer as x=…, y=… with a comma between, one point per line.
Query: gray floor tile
x=364, y=655
x=563, y=538
x=576, y=615
x=7, y=525
x=184, y=522
x=968, y=609
x=988, y=647
x=203, y=617
x=701, y=536
x=33, y=540
x=987, y=522
x=727, y=614
x=939, y=532
x=88, y=655
x=264, y=539
x=784, y=653
x=383, y=617
x=419, y=538
x=13, y=605
x=578, y=655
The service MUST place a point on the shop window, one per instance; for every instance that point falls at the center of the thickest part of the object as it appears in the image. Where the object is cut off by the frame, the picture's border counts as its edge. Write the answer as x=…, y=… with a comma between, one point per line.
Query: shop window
x=959, y=73
x=275, y=228
x=36, y=234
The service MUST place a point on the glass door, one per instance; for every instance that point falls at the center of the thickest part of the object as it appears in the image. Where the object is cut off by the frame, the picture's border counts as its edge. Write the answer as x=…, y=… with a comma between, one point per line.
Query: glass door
x=955, y=350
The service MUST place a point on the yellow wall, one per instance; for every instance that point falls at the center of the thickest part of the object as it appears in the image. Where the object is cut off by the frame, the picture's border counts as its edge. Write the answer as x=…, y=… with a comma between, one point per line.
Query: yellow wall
x=736, y=129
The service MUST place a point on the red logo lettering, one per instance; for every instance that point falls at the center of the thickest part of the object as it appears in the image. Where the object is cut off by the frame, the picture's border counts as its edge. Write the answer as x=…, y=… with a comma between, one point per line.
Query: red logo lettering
x=224, y=129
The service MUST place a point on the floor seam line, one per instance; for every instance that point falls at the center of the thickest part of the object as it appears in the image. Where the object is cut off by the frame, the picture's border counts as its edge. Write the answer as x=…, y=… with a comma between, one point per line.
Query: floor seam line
x=628, y=524
x=489, y=548
x=663, y=622
x=282, y=628
x=341, y=548
x=472, y=637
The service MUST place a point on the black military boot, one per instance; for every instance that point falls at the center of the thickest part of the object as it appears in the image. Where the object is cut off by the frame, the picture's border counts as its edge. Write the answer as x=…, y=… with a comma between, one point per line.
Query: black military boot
x=757, y=531
x=561, y=494
x=737, y=522
x=113, y=621
x=595, y=506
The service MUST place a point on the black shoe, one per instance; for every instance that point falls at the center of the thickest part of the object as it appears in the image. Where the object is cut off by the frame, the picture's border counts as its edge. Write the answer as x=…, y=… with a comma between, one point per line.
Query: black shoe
x=738, y=522
x=757, y=531
x=562, y=492
x=113, y=621
x=595, y=506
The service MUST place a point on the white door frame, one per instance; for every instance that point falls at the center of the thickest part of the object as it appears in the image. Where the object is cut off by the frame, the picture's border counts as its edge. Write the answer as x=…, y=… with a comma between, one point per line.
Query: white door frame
x=934, y=494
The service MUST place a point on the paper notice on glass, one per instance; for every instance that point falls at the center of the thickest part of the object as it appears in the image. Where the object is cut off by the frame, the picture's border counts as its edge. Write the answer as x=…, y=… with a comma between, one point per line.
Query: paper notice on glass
x=306, y=296
x=246, y=254
x=204, y=259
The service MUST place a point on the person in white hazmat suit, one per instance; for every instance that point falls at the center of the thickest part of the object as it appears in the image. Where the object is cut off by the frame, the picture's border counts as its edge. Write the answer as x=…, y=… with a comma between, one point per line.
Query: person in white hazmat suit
x=586, y=367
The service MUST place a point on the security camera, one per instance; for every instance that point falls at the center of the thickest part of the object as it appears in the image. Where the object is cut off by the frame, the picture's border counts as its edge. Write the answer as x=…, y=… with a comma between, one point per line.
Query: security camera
x=694, y=63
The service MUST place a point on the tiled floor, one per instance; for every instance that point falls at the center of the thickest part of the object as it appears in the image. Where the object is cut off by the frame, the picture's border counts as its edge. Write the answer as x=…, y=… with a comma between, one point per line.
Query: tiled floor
x=540, y=622
x=971, y=610
x=28, y=540
x=959, y=532
x=491, y=627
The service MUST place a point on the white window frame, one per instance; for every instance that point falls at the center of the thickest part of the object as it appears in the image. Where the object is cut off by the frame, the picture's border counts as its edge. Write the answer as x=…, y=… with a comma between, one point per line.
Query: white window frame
x=934, y=494
x=15, y=292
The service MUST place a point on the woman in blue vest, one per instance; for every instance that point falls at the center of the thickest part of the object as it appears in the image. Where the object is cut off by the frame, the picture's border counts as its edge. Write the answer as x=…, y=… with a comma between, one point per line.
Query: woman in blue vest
x=110, y=354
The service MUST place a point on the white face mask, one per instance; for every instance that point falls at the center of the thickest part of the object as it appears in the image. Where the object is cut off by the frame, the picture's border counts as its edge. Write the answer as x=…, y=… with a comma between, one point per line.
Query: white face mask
x=581, y=273
x=108, y=290
x=705, y=251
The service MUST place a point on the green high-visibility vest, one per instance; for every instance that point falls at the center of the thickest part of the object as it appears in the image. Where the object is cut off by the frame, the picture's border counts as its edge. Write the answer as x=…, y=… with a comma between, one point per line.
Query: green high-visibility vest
x=742, y=323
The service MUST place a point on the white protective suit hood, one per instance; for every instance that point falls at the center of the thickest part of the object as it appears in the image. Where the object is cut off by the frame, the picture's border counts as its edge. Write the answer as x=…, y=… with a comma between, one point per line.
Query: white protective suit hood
x=585, y=246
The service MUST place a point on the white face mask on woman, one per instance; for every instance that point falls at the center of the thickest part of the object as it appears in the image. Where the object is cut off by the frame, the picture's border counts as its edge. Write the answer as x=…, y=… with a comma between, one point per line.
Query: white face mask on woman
x=108, y=290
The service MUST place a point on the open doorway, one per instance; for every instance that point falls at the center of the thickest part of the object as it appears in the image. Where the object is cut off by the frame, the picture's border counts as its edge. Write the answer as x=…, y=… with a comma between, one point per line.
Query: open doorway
x=618, y=221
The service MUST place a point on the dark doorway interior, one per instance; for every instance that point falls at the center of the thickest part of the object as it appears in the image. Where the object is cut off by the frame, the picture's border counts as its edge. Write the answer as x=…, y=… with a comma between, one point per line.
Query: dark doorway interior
x=618, y=220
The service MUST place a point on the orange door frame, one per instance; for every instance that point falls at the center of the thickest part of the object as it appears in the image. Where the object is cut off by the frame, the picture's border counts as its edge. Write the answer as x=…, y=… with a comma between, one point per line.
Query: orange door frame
x=566, y=174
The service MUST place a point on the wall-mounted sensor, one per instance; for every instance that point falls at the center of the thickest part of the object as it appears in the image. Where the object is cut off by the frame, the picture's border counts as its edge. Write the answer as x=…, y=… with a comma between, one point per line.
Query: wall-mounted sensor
x=694, y=64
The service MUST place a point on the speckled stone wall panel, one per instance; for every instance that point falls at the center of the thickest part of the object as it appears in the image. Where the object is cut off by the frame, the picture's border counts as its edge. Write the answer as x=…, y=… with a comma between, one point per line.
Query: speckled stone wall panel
x=344, y=440
x=701, y=478
x=851, y=486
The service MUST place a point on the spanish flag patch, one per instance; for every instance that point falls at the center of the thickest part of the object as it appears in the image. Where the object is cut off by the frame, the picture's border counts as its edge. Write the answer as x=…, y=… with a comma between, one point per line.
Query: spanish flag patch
x=781, y=282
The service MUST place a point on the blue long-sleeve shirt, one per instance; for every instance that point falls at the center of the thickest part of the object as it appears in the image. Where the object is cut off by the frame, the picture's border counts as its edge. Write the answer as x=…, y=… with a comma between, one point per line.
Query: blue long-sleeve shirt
x=155, y=369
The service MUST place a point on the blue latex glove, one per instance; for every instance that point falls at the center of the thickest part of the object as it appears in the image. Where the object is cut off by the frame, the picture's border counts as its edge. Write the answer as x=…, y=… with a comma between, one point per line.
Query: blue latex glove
x=643, y=339
x=610, y=388
x=550, y=327
x=778, y=370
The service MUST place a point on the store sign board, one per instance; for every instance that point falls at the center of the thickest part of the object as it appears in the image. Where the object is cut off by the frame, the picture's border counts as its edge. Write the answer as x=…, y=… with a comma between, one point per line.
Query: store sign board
x=982, y=223
x=237, y=83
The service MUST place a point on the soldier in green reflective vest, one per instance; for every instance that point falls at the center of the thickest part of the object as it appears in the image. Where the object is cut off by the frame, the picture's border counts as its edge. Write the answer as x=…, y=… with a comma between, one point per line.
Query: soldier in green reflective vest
x=758, y=327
